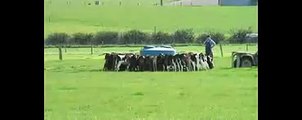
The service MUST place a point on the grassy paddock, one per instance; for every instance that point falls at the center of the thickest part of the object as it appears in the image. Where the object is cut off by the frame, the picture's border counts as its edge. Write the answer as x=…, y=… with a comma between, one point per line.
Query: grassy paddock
x=76, y=89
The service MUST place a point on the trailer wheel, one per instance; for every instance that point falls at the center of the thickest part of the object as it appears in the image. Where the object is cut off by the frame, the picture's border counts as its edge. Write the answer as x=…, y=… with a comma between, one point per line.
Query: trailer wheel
x=246, y=62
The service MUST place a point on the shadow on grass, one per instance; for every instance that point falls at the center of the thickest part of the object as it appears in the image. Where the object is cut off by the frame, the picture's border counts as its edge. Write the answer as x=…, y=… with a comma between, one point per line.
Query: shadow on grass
x=138, y=94
x=85, y=70
x=95, y=70
x=226, y=68
x=243, y=68
x=78, y=70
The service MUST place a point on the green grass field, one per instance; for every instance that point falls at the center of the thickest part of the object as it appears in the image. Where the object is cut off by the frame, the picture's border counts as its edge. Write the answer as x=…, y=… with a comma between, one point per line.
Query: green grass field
x=76, y=89
x=77, y=17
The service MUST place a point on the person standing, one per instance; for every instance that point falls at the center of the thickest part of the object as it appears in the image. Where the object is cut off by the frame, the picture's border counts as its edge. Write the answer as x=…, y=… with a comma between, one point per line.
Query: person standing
x=209, y=45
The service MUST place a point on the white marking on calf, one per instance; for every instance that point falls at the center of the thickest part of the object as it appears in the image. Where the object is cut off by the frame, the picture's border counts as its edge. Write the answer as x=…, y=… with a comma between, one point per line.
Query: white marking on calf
x=203, y=63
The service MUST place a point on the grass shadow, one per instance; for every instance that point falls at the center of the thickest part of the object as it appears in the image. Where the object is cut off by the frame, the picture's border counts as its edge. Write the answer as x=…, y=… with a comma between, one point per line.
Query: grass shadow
x=138, y=94
x=226, y=68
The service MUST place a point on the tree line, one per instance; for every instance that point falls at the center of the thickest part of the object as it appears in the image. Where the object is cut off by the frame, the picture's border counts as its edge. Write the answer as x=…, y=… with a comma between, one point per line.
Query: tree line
x=183, y=36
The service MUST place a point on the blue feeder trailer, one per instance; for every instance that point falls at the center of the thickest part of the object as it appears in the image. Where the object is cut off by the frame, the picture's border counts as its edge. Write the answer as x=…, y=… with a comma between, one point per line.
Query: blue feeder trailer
x=157, y=50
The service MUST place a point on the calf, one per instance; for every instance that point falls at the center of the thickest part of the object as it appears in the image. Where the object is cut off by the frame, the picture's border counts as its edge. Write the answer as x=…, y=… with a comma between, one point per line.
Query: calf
x=188, y=62
x=160, y=62
x=195, y=62
x=210, y=62
x=118, y=61
x=176, y=61
x=182, y=62
x=141, y=63
x=203, y=62
x=148, y=63
x=107, y=62
x=110, y=63
x=169, y=63
x=154, y=63
x=124, y=63
x=133, y=63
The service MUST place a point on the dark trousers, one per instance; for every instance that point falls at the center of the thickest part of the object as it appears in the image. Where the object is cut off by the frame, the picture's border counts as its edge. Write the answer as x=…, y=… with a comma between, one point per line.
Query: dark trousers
x=210, y=53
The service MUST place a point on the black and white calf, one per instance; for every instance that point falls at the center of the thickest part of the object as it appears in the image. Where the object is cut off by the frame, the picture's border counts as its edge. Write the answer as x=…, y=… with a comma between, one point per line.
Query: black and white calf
x=203, y=62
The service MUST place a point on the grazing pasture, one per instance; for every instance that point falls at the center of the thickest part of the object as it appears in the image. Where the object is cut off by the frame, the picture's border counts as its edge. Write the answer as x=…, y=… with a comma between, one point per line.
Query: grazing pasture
x=75, y=88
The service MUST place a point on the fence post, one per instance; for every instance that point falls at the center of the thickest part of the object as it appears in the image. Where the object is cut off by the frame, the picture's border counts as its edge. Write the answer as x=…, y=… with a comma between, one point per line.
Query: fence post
x=161, y=2
x=91, y=49
x=232, y=60
x=60, y=53
x=247, y=47
x=221, y=51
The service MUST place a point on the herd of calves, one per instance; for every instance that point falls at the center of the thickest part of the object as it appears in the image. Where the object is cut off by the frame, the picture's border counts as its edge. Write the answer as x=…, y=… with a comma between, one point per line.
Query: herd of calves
x=178, y=62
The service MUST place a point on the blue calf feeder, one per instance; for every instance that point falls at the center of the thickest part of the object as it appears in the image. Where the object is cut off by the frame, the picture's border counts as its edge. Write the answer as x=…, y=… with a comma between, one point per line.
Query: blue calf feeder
x=150, y=50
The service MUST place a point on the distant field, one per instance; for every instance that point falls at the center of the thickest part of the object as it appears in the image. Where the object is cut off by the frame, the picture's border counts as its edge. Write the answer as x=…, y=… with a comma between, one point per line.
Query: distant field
x=77, y=17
